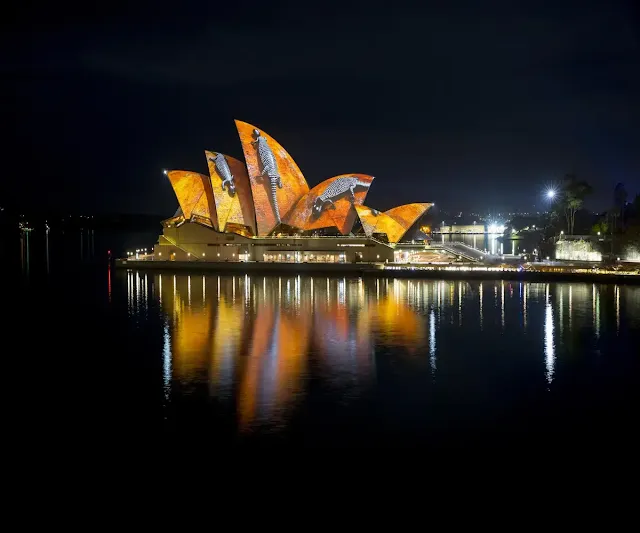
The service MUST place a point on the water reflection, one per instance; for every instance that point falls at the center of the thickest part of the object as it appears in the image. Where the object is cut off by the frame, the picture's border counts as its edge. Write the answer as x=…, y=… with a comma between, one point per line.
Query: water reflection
x=258, y=344
x=549, y=341
x=25, y=252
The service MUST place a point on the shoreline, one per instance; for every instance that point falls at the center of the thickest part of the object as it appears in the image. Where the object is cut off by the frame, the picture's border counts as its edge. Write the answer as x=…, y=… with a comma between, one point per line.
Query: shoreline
x=378, y=270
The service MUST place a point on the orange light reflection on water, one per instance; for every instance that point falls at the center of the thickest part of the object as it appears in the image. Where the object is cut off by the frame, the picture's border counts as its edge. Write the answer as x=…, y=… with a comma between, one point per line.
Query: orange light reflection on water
x=256, y=350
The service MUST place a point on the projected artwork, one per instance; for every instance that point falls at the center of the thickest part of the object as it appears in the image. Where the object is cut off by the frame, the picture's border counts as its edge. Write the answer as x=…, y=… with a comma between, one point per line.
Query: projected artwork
x=231, y=192
x=331, y=203
x=407, y=214
x=276, y=181
x=374, y=221
x=222, y=168
x=195, y=196
x=266, y=194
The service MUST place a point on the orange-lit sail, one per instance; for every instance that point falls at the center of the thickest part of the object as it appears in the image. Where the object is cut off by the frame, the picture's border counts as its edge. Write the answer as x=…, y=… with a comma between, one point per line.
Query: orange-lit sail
x=231, y=192
x=331, y=203
x=195, y=196
x=276, y=181
x=407, y=214
x=374, y=221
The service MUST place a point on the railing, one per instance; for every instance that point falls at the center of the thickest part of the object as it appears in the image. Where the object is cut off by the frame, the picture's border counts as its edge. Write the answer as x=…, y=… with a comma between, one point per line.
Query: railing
x=452, y=249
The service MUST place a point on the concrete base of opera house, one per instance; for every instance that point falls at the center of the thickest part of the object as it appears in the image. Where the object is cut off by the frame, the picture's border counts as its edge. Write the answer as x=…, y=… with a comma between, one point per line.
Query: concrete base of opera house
x=195, y=243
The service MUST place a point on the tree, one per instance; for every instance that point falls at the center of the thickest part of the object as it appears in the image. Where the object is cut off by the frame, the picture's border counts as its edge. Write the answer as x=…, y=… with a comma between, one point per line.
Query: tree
x=574, y=192
x=635, y=207
x=601, y=227
x=619, y=203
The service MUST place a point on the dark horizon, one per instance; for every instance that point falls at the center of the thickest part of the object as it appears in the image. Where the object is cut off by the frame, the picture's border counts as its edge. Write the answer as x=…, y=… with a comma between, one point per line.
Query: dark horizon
x=471, y=107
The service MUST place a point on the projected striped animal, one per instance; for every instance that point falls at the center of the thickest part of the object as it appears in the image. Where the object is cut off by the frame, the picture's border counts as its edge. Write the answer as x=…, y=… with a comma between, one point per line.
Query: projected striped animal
x=337, y=189
x=222, y=167
x=269, y=169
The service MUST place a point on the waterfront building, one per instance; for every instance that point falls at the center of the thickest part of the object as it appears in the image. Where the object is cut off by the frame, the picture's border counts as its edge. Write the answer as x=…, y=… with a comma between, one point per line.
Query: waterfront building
x=262, y=209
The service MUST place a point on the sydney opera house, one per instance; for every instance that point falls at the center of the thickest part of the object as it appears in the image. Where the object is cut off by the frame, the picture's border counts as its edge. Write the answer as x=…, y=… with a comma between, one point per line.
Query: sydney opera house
x=262, y=209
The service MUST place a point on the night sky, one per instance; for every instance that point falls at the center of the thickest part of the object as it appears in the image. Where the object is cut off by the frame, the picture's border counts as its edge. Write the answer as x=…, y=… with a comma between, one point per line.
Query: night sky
x=474, y=104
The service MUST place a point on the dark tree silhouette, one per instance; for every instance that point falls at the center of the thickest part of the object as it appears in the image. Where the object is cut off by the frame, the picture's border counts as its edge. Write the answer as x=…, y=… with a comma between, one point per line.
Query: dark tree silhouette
x=619, y=202
x=574, y=192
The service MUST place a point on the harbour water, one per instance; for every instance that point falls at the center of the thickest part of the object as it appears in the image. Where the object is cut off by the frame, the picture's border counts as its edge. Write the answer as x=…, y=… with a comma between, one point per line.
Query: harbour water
x=335, y=361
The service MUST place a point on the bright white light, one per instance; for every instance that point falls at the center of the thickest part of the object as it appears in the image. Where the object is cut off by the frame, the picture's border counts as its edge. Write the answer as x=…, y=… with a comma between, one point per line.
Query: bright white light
x=551, y=194
x=164, y=171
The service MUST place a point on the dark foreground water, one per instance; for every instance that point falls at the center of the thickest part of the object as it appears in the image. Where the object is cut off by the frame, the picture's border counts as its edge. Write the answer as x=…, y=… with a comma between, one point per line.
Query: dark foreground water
x=334, y=361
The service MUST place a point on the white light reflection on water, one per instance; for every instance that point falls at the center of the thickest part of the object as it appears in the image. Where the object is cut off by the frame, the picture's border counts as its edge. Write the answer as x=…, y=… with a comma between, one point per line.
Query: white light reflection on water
x=432, y=340
x=311, y=291
x=328, y=291
x=136, y=301
x=570, y=306
x=129, y=292
x=524, y=305
x=549, y=341
x=146, y=292
x=166, y=363
x=561, y=309
x=481, y=296
x=596, y=311
x=460, y=303
x=502, y=302
x=617, y=296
